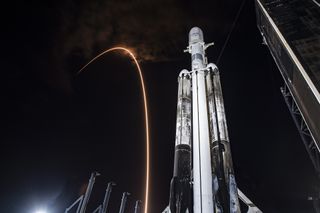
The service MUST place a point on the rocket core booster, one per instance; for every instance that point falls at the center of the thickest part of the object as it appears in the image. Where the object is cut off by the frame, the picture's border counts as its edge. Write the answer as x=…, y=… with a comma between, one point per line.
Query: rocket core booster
x=203, y=178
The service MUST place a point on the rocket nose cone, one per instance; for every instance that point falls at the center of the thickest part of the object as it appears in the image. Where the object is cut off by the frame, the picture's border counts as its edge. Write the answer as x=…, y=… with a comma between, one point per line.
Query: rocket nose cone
x=195, y=35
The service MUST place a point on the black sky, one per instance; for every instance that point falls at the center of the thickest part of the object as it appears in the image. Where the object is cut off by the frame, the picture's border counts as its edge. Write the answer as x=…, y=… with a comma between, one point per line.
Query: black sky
x=58, y=127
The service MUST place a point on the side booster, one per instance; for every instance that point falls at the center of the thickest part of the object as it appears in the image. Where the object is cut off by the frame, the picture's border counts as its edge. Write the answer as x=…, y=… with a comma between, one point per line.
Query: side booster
x=203, y=178
x=180, y=192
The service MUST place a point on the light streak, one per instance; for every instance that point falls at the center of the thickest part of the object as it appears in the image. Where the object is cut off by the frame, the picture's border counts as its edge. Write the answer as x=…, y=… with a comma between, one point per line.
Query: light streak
x=146, y=199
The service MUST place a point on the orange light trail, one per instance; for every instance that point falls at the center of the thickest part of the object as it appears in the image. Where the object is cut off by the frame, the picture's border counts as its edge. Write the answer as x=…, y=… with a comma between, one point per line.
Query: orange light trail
x=146, y=200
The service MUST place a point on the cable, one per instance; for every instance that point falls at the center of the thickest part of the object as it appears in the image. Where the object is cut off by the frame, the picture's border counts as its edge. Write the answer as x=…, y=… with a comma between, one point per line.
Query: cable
x=231, y=30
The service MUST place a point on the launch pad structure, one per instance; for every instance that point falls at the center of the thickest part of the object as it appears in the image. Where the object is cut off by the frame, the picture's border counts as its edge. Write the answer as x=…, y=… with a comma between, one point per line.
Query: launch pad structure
x=203, y=177
x=297, y=56
x=80, y=205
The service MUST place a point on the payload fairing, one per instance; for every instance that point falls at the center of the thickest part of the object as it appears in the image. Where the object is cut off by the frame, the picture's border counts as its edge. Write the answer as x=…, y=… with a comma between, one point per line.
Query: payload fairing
x=203, y=178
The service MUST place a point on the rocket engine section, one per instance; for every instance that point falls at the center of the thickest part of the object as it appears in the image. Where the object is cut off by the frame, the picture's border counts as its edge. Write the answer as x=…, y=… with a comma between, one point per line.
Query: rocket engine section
x=181, y=192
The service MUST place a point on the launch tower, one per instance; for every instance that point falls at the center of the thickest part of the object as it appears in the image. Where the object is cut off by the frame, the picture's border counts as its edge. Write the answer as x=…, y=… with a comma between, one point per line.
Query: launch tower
x=291, y=31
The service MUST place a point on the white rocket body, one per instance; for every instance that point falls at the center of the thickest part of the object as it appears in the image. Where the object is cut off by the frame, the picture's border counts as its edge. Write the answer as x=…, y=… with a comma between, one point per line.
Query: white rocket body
x=203, y=165
x=202, y=177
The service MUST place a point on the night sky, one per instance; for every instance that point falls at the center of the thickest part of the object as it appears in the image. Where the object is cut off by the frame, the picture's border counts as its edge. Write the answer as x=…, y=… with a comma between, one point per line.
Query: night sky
x=58, y=127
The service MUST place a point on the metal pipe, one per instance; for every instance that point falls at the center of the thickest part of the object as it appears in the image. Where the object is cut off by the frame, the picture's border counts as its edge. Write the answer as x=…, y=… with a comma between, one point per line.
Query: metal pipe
x=79, y=200
x=251, y=207
x=97, y=210
x=123, y=201
x=137, y=206
x=107, y=197
x=88, y=192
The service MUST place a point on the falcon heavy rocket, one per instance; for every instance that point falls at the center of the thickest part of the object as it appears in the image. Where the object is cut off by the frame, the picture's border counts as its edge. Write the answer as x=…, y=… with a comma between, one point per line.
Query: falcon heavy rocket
x=203, y=177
